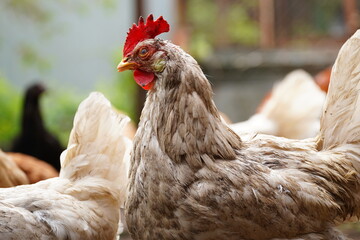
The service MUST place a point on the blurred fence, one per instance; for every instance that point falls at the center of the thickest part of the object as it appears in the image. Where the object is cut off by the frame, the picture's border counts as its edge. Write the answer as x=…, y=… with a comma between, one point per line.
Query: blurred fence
x=244, y=46
x=266, y=23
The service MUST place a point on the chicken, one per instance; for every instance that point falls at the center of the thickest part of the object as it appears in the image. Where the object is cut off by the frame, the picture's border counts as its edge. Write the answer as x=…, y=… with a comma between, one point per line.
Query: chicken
x=35, y=169
x=84, y=201
x=10, y=174
x=292, y=110
x=191, y=177
x=35, y=139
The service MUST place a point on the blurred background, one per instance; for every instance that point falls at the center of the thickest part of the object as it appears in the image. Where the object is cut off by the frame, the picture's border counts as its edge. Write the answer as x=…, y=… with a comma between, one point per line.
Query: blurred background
x=244, y=46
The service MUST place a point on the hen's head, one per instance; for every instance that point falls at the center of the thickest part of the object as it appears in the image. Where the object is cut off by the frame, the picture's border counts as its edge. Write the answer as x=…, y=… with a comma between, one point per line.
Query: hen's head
x=33, y=93
x=143, y=53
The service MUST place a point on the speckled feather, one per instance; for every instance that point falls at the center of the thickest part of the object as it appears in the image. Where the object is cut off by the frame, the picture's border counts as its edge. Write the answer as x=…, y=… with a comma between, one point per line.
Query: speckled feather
x=84, y=201
x=191, y=177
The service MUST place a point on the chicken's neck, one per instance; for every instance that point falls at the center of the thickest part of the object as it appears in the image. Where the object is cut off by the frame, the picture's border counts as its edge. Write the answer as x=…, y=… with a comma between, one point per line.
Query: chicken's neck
x=31, y=119
x=184, y=118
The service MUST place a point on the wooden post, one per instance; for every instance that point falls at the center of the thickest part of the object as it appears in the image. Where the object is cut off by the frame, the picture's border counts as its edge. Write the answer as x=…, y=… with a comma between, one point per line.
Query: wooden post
x=221, y=36
x=282, y=22
x=139, y=9
x=181, y=35
x=267, y=23
x=351, y=15
x=181, y=14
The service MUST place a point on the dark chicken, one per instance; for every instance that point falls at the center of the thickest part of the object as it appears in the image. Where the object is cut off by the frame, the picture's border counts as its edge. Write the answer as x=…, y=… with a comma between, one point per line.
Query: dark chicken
x=34, y=138
x=191, y=177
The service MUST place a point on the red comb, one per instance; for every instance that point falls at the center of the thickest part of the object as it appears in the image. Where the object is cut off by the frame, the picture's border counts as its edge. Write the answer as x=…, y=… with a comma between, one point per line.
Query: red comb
x=144, y=31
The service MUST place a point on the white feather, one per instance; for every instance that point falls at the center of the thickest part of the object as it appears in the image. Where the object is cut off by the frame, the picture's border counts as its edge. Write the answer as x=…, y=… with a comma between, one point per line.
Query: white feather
x=293, y=109
x=84, y=201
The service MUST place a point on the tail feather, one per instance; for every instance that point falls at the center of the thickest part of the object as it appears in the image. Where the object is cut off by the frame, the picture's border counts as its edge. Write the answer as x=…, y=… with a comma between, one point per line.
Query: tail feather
x=340, y=121
x=97, y=146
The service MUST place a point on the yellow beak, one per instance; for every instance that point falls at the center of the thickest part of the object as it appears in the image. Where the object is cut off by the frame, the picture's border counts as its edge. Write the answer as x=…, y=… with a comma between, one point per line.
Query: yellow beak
x=125, y=65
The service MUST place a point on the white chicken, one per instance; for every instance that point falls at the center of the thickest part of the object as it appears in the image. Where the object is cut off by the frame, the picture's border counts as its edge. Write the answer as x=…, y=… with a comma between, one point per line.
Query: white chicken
x=292, y=110
x=84, y=201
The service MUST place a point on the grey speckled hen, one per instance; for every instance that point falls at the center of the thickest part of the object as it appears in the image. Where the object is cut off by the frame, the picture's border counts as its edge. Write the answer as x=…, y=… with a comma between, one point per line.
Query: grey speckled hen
x=193, y=178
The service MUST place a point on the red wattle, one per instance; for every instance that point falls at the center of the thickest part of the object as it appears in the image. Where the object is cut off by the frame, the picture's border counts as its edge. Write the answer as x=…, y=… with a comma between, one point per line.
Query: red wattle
x=144, y=79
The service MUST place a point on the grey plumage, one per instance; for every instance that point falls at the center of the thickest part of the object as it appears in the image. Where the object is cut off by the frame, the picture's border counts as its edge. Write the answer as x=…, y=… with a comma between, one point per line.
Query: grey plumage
x=191, y=177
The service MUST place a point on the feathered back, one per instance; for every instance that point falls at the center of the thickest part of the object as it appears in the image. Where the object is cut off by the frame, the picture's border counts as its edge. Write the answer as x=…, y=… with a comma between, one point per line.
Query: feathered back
x=97, y=147
x=340, y=122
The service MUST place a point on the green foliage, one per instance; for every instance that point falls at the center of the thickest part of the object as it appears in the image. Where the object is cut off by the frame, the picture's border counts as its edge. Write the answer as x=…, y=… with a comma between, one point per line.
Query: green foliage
x=10, y=103
x=200, y=12
x=218, y=24
x=203, y=37
x=57, y=108
x=241, y=27
x=200, y=46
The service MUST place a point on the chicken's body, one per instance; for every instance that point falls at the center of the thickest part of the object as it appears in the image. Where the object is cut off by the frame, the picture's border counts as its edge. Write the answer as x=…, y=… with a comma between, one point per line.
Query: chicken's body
x=10, y=174
x=58, y=209
x=191, y=177
x=34, y=139
x=84, y=201
x=291, y=110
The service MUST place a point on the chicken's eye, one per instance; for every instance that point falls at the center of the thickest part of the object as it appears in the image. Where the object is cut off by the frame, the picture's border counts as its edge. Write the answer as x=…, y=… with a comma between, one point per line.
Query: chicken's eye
x=143, y=52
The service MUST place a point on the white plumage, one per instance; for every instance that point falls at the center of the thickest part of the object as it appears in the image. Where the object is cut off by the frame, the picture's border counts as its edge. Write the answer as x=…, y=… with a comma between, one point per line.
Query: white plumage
x=293, y=109
x=84, y=201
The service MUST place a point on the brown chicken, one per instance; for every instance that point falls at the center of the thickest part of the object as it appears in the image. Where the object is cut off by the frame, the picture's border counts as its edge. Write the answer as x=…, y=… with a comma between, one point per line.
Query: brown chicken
x=10, y=174
x=35, y=169
x=191, y=177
